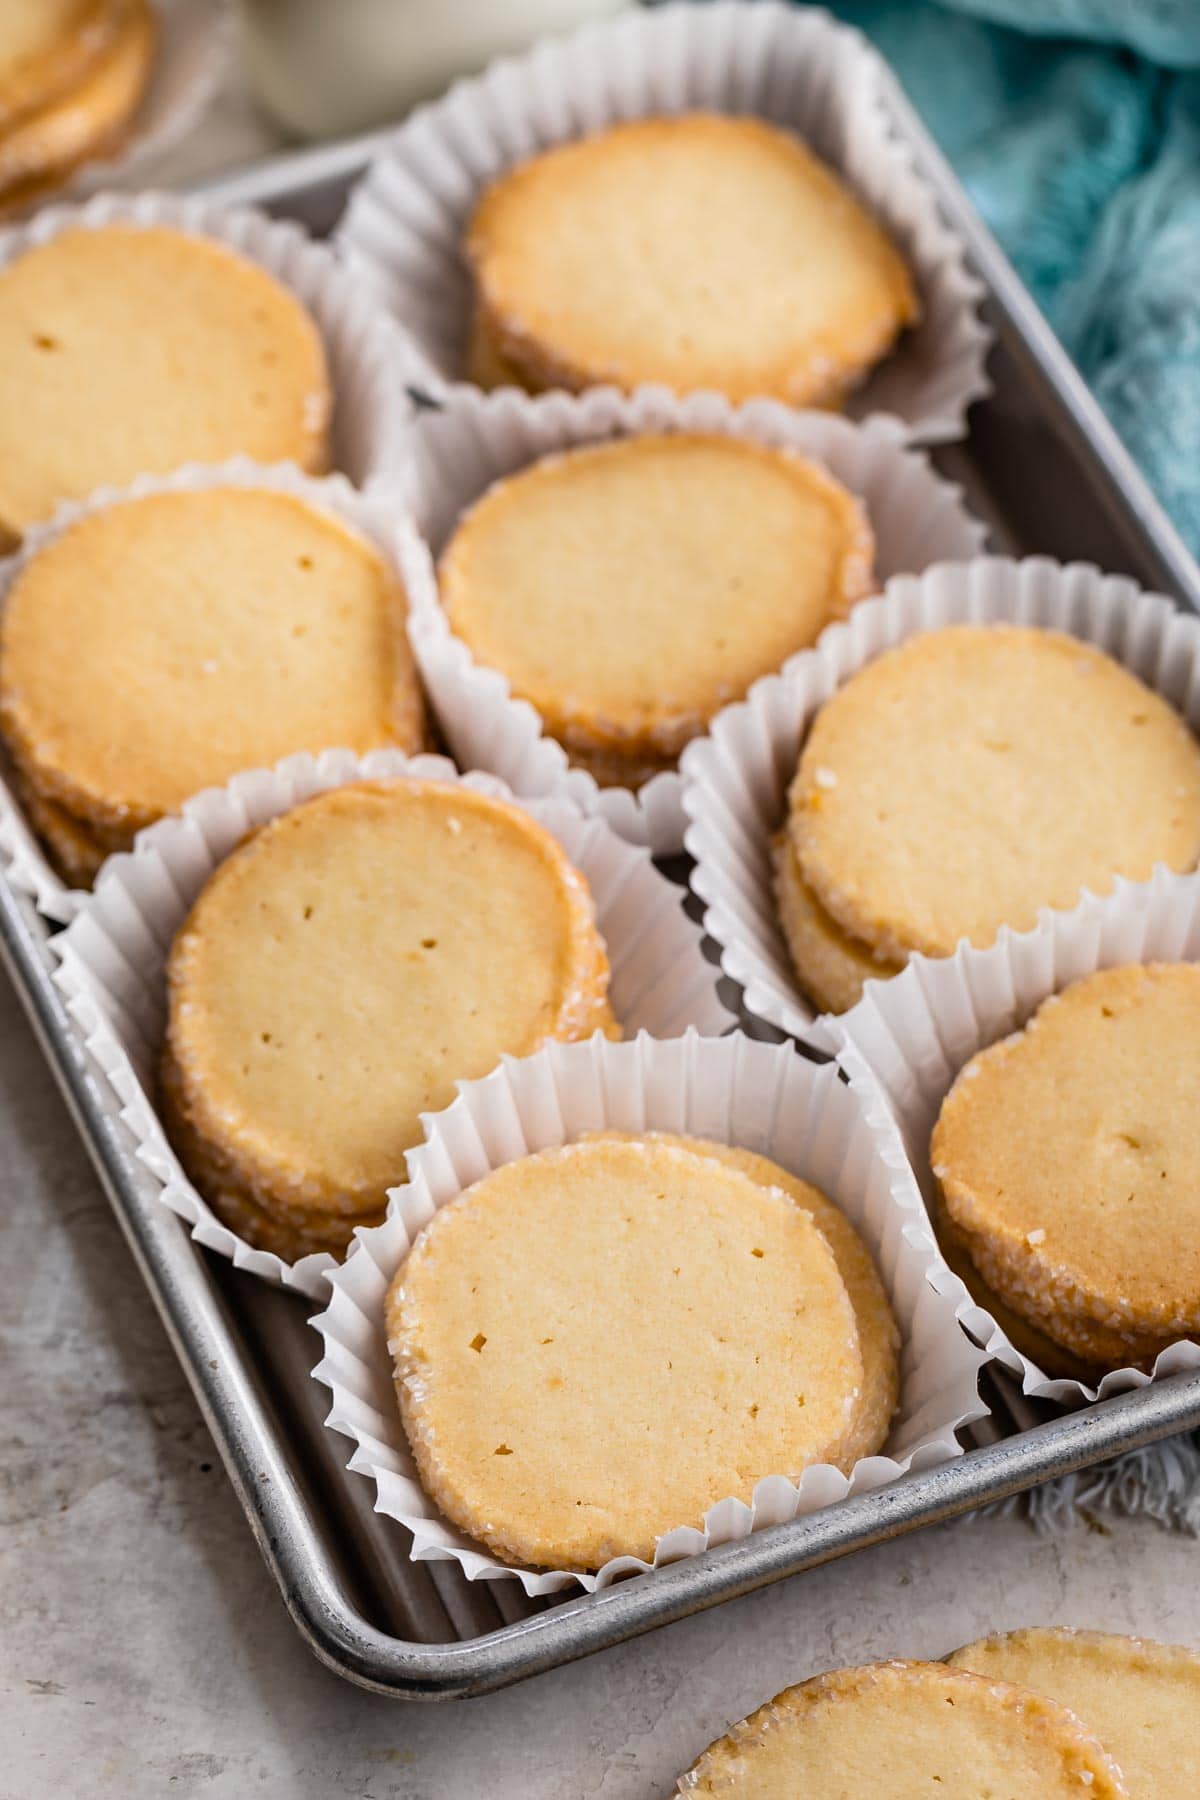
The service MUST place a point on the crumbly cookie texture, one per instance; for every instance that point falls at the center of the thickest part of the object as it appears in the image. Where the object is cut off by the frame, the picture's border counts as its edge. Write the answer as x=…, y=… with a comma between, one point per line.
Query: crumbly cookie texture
x=595, y=1344
x=700, y=251
x=128, y=349
x=344, y=968
x=908, y=1729
x=629, y=589
x=238, y=625
x=978, y=773
x=1141, y=1698
x=878, y=1333
x=1068, y=1163
x=89, y=119
x=831, y=966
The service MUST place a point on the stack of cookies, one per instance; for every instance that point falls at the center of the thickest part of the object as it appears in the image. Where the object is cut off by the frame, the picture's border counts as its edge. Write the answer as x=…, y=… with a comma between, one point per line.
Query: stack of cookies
x=160, y=645
x=629, y=589
x=595, y=1344
x=963, y=781
x=1068, y=1168
x=129, y=350
x=701, y=251
x=72, y=75
x=1031, y=1716
x=340, y=972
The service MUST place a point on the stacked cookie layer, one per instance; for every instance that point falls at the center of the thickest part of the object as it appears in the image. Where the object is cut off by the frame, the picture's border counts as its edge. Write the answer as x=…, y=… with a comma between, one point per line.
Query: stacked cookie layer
x=1068, y=1171
x=965, y=780
x=595, y=1344
x=340, y=972
x=701, y=251
x=629, y=589
x=160, y=645
x=72, y=74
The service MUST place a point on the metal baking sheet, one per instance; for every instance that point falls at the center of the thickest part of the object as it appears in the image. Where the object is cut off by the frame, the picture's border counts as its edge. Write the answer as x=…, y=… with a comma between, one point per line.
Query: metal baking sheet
x=1044, y=467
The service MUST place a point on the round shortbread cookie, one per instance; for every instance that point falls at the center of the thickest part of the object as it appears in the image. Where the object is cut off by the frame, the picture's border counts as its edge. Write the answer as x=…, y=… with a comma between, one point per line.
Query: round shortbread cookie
x=162, y=644
x=907, y=1730
x=1068, y=1160
x=89, y=118
x=830, y=965
x=127, y=350
x=46, y=47
x=1141, y=1698
x=973, y=775
x=700, y=251
x=345, y=967
x=629, y=589
x=595, y=1344
x=878, y=1333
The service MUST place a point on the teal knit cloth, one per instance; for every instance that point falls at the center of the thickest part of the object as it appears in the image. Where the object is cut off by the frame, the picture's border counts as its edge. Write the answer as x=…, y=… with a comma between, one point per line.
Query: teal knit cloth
x=1078, y=138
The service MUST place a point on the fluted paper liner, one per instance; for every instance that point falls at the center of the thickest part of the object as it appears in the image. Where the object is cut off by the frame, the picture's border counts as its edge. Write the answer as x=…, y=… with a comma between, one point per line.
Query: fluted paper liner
x=735, y=780
x=913, y=1034
x=796, y=68
x=370, y=412
x=762, y=1096
x=112, y=957
x=22, y=859
x=457, y=453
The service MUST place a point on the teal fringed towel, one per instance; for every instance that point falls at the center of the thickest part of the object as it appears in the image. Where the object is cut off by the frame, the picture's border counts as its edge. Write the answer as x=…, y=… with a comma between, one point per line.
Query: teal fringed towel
x=1082, y=152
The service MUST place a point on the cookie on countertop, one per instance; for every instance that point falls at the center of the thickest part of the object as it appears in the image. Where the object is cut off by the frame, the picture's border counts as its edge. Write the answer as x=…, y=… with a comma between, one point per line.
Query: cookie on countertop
x=341, y=971
x=595, y=1344
x=699, y=251
x=1141, y=1698
x=631, y=588
x=88, y=119
x=162, y=644
x=128, y=350
x=1068, y=1161
x=978, y=773
x=907, y=1730
x=878, y=1333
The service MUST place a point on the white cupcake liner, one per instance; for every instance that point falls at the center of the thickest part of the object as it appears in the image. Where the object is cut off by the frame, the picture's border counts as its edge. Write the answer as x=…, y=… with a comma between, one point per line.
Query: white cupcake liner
x=112, y=957
x=796, y=68
x=195, y=43
x=370, y=410
x=735, y=780
x=476, y=439
x=762, y=1096
x=22, y=859
x=913, y=1034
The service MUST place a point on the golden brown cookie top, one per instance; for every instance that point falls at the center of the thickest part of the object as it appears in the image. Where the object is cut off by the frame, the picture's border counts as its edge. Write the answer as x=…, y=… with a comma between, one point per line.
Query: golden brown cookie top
x=975, y=774
x=595, y=1344
x=127, y=350
x=631, y=588
x=701, y=251
x=1071, y=1150
x=878, y=1333
x=907, y=1729
x=1141, y=1698
x=352, y=961
x=163, y=644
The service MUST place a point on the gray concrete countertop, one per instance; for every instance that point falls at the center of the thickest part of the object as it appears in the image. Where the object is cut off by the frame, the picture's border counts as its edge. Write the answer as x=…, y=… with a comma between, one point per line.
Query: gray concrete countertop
x=144, y=1651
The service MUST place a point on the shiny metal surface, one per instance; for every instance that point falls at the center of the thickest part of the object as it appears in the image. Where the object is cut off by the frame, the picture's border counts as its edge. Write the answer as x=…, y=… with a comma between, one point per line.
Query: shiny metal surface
x=1043, y=466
